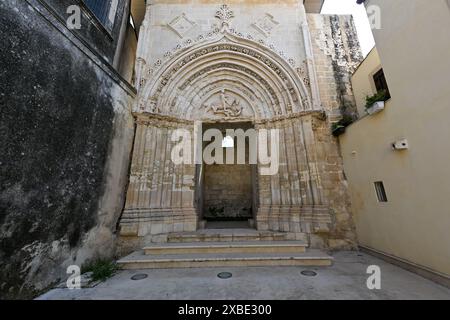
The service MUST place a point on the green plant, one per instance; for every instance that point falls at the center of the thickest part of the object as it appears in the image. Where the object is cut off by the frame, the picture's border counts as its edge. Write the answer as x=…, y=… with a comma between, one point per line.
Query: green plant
x=344, y=122
x=338, y=128
x=101, y=269
x=379, y=96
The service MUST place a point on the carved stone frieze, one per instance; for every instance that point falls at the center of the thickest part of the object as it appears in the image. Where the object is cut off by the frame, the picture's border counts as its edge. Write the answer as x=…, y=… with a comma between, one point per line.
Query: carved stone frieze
x=228, y=107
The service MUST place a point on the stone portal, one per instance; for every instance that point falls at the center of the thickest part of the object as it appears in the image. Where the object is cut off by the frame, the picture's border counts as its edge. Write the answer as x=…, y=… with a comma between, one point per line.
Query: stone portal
x=209, y=64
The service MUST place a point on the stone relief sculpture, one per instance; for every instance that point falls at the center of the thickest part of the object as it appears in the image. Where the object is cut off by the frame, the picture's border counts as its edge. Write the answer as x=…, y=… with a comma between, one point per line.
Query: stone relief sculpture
x=229, y=107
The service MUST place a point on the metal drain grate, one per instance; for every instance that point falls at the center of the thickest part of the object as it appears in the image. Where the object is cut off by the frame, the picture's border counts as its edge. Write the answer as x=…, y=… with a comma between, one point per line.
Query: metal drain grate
x=309, y=273
x=139, y=276
x=225, y=275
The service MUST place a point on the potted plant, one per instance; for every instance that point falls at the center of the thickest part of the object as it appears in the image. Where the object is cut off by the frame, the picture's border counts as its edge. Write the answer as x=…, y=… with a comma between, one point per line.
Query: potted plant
x=375, y=103
x=339, y=127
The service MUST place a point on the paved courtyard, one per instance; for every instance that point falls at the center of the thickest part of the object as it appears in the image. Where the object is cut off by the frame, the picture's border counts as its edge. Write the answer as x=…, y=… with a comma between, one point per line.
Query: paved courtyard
x=346, y=279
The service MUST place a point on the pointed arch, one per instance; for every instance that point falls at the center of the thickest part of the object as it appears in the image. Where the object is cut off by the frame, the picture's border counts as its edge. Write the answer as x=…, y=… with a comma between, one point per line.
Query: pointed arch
x=255, y=72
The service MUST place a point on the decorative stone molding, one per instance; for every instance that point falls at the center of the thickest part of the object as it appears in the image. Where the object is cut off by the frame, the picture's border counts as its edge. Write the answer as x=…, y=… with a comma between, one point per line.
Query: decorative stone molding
x=310, y=66
x=229, y=109
x=181, y=25
x=283, y=74
x=225, y=14
x=319, y=115
x=161, y=120
x=235, y=67
x=302, y=71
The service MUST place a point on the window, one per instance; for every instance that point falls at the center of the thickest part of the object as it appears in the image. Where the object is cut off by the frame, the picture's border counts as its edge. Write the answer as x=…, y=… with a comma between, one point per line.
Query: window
x=228, y=142
x=380, y=83
x=381, y=192
x=104, y=10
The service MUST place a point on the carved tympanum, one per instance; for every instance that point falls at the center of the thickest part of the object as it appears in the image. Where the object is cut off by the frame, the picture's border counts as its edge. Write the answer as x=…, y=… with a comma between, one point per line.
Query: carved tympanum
x=228, y=106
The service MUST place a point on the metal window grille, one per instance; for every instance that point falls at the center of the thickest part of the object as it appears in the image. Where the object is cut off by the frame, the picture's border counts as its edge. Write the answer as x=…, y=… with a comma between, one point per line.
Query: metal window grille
x=100, y=8
x=381, y=192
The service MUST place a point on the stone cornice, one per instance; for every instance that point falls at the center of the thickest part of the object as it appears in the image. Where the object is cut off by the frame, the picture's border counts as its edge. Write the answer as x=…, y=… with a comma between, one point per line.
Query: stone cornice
x=160, y=120
x=318, y=114
x=165, y=120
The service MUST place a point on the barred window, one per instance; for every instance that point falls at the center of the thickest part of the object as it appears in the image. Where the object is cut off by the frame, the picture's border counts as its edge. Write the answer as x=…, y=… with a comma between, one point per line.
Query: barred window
x=381, y=192
x=380, y=83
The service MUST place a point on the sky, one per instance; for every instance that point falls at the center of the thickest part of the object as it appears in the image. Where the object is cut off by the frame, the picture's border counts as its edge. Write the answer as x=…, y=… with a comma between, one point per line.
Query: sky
x=360, y=17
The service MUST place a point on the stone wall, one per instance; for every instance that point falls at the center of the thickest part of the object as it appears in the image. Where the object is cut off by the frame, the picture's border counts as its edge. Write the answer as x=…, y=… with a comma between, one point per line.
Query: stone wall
x=336, y=54
x=66, y=131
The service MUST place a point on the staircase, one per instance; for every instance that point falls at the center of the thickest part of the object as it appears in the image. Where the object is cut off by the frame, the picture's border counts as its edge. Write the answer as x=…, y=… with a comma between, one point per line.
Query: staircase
x=225, y=248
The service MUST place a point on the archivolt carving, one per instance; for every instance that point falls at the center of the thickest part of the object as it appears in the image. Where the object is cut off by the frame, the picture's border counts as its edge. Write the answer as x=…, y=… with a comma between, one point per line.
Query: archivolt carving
x=226, y=58
x=249, y=95
x=236, y=67
x=211, y=35
x=228, y=52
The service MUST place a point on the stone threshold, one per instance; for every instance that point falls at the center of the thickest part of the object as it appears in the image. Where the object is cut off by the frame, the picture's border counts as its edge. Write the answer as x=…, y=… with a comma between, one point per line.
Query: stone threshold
x=138, y=260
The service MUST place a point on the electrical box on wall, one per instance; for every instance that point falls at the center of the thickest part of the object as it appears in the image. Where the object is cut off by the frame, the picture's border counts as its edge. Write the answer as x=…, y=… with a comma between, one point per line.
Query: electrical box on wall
x=400, y=145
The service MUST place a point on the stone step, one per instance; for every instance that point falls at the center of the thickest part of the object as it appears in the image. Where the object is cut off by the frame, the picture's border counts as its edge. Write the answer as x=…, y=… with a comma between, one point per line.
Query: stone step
x=230, y=247
x=138, y=260
x=226, y=235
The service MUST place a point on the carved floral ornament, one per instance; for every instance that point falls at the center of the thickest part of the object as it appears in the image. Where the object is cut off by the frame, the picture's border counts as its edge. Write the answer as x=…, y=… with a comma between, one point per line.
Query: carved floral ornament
x=224, y=14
